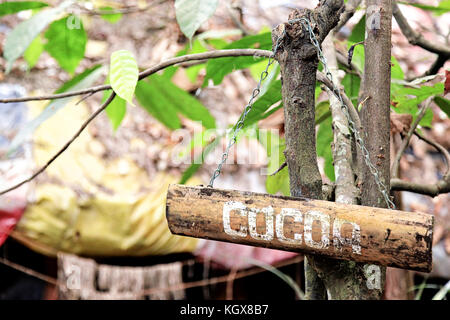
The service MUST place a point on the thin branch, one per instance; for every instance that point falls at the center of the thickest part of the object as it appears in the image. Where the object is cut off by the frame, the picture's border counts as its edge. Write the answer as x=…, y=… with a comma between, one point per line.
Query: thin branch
x=350, y=9
x=283, y=165
x=415, y=38
x=439, y=147
x=124, y=10
x=437, y=64
x=68, y=143
x=198, y=56
x=351, y=108
x=442, y=186
x=151, y=70
x=432, y=190
x=405, y=142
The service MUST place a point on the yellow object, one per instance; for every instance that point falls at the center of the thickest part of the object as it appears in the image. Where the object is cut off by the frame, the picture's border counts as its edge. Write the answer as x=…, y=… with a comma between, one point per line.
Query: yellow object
x=90, y=206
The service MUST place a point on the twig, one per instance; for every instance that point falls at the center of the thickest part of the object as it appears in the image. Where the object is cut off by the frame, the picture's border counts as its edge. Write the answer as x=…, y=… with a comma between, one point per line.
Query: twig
x=439, y=147
x=416, y=38
x=68, y=143
x=442, y=186
x=350, y=9
x=405, y=142
x=283, y=165
x=125, y=10
x=151, y=70
x=351, y=108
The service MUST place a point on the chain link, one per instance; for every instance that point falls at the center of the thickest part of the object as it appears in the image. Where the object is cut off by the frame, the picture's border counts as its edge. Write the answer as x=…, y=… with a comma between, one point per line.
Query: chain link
x=240, y=124
x=359, y=140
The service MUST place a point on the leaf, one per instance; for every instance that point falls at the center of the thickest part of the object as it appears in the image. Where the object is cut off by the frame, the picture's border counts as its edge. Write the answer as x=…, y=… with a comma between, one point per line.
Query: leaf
x=440, y=295
x=123, y=74
x=324, y=140
x=11, y=7
x=275, y=146
x=109, y=15
x=322, y=111
x=21, y=36
x=157, y=104
x=351, y=84
x=116, y=110
x=263, y=103
x=216, y=69
x=283, y=276
x=444, y=104
x=191, y=14
x=403, y=103
x=66, y=42
x=447, y=82
x=179, y=101
x=193, y=168
x=34, y=51
x=427, y=118
x=443, y=7
x=81, y=81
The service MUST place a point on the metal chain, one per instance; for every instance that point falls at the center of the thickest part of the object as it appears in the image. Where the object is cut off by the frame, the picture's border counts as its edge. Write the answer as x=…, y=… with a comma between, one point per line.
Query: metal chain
x=240, y=124
x=359, y=140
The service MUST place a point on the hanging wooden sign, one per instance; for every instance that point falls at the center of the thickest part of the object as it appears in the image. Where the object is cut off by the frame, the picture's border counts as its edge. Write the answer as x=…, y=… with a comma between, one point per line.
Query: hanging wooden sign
x=350, y=232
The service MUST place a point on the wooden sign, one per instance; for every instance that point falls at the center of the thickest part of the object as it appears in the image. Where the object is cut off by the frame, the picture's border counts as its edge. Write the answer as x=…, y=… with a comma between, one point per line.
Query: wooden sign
x=350, y=232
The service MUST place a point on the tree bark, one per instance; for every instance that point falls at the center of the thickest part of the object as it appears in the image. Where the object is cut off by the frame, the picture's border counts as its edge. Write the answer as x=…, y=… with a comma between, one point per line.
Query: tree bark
x=375, y=113
x=298, y=63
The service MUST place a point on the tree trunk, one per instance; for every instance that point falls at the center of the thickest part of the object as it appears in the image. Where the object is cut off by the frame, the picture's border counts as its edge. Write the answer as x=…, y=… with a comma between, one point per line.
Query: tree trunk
x=298, y=63
x=375, y=113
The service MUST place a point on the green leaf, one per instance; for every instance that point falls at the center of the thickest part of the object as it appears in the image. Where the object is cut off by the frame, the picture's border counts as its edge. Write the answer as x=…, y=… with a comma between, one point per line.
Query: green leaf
x=263, y=103
x=427, y=118
x=283, y=276
x=351, y=83
x=403, y=103
x=191, y=14
x=116, y=110
x=322, y=111
x=193, y=168
x=440, y=295
x=176, y=100
x=324, y=140
x=123, y=74
x=443, y=7
x=444, y=104
x=157, y=104
x=34, y=51
x=81, y=81
x=66, y=42
x=109, y=15
x=11, y=7
x=216, y=69
x=359, y=31
x=275, y=146
x=19, y=39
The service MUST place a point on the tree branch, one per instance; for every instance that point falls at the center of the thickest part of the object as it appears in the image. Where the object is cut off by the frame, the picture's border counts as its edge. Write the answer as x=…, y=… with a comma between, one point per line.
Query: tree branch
x=405, y=142
x=350, y=9
x=416, y=38
x=68, y=143
x=151, y=70
x=442, y=186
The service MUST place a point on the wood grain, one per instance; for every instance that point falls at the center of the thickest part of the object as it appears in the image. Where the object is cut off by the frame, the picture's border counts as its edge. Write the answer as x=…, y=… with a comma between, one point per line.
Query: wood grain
x=350, y=232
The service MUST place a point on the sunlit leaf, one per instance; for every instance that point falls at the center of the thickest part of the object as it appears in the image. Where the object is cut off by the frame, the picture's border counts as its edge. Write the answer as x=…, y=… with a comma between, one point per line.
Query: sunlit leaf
x=191, y=14
x=34, y=51
x=123, y=74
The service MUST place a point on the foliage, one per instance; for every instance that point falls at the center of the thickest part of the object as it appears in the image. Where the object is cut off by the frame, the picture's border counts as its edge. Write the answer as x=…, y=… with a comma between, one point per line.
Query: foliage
x=63, y=36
